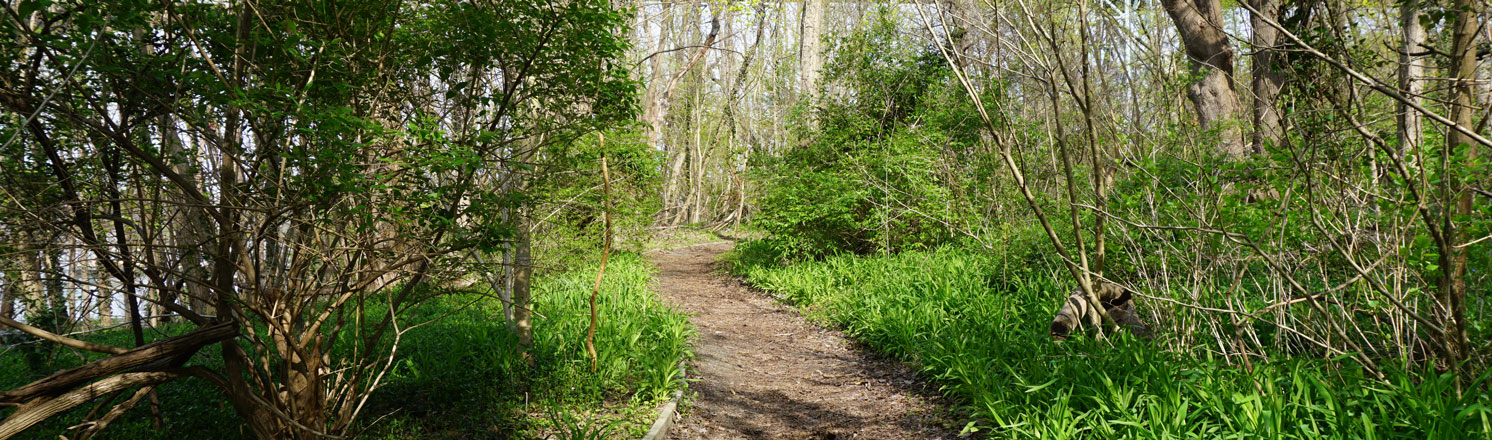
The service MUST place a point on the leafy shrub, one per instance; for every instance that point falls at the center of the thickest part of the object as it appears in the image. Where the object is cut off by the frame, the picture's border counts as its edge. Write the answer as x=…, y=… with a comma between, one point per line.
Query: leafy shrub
x=878, y=173
x=462, y=375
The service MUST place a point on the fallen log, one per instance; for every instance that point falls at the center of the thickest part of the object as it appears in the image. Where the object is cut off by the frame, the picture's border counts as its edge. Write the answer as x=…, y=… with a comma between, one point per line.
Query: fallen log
x=36, y=412
x=161, y=354
x=1116, y=303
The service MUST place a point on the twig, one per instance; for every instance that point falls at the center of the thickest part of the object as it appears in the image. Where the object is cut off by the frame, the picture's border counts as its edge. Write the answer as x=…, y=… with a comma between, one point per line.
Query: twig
x=590, y=334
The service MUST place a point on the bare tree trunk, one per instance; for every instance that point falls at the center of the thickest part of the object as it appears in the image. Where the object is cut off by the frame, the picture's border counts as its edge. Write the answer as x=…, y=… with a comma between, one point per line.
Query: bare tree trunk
x=1452, y=289
x=695, y=201
x=1200, y=24
x=523, y=269
x=1267, y=81
x=506, y=296
x=105, y=299
x=590, y=333
x=56, y=300
x=28, y=288
x=655, y=106
x=810, y=42
x=1101, y=169
x=741, y=75
x=671, y=190
x=7, y=295
x=190, y=234
x=1411, y=69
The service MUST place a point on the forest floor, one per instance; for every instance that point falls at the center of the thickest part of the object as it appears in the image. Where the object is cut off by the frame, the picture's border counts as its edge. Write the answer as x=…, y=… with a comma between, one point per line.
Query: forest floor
x=761, y=371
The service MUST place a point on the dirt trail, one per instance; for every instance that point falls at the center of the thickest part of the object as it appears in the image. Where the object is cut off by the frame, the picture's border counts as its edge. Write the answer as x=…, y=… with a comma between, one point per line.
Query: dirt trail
x=763, y=372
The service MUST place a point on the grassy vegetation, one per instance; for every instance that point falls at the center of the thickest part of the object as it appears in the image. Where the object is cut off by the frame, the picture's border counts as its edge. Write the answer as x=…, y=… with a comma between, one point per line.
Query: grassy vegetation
x=978, y=329
x=462, y=376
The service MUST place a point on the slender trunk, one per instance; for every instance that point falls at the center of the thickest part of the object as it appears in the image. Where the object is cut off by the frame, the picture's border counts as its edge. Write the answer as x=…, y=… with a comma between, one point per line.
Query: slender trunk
x=28, y=289
x=671, y=189
x=522, y=275
x=506, y=295
x=1452, y=289
x=590, y=334
x=7, y=294
x=695, y=201
x=189, y=234
x=225, y=258
x=745, y=68
x=655, y=107
x=1411, y=69
x=1267, y=81
x=1100, y=165
x=1199, y=22
x=671, y=192
x=105, y=299
x=810, y=42
x=56, y=301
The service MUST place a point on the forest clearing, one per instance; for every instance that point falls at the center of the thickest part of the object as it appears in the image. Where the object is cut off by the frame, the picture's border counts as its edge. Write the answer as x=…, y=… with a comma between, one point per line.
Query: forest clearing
x=745, y=219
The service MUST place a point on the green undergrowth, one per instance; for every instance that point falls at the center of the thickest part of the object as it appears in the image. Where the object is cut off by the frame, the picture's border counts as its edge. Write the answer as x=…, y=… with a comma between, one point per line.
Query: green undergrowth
x=190, y=407
x=464, y=378
x=982, y=338
x=460, y=376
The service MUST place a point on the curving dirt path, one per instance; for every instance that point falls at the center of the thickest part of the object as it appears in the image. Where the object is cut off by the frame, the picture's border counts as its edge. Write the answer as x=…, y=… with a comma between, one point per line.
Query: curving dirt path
x=762, y=372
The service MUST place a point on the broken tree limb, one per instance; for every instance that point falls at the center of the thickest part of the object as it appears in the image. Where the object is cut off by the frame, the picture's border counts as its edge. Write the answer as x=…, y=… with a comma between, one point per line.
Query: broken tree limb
x=93, y=427
x=161, y=354
x=36, y=412
x=1116, y=302
x=70, y=342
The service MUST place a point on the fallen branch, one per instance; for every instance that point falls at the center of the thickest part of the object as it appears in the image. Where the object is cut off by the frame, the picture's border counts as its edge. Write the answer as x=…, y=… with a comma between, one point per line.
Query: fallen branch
x=157, y=355
x=36, y=412
x=70, y=342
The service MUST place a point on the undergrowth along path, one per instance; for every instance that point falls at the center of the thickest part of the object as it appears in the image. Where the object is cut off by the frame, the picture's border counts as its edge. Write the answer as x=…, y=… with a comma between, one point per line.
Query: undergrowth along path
x=763, y=372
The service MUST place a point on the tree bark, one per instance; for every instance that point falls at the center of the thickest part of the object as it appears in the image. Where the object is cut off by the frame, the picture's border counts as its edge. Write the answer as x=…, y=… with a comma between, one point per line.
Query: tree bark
x=189, y=236
x=56, y=299
x=1200, y=24
x=676, y=168
x=590, y=333
x=1267, y=80
x=27, y=288
x=1452, y=289
x=1411, y=69
x=655, y=106
x=105, y=299
x=7, y=295
x=29, y=415
x=168, y=353
x=507, y=289
x=810, y=42
x=523, y=269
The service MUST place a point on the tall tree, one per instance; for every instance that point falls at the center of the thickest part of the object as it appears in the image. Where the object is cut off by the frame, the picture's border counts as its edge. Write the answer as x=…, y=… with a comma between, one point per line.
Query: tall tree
x=655, y=100
x=1267, y=79
x=1463, y=148
x=811, y=51
x=1411, y=70
x=673, y=197
x=1200, y=24
x=7, y=295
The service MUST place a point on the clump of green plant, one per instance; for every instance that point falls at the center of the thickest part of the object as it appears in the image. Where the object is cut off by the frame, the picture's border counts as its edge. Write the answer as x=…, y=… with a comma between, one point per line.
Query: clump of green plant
x=877, y=173
x=465, y=374
x=981, y=337
x=569, y=201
